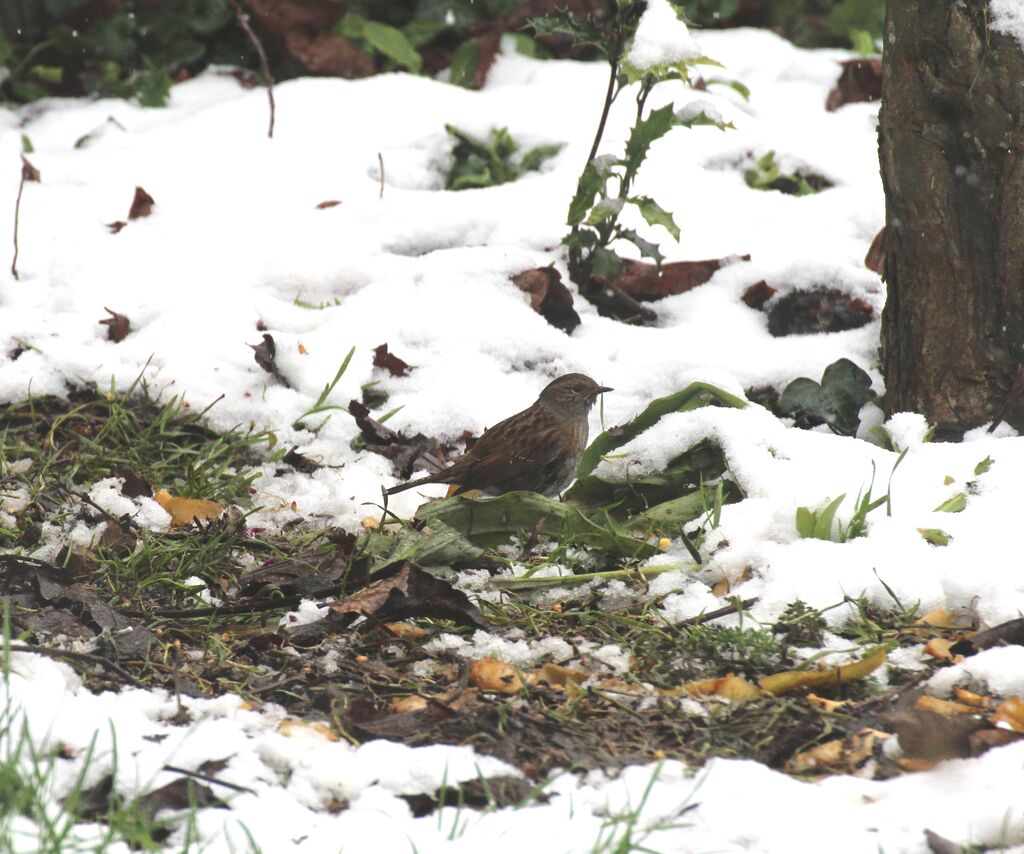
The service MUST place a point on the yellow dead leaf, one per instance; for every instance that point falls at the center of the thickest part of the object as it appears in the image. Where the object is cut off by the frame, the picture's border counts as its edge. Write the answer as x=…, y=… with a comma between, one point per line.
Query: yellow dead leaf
x=294, y=728
x=555, y=675
x=728, y=687
x=184, y=510
x=790, y=680
x=940, y=618
x=400, y=705
x=972, y=699
x=489, y=674
x=370, y=523
x=824, y=704
x=407, y=631
x=1011, y=713
x=721, y=588
x=946, y=708
x=842, y=754
x=939, y=648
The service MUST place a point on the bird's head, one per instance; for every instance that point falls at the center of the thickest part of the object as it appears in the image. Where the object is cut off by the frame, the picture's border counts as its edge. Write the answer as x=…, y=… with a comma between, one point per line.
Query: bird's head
x=571, y=395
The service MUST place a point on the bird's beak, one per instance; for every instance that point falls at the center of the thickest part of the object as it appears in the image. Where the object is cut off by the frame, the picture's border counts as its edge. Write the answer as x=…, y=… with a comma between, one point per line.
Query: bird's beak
x=601, y=389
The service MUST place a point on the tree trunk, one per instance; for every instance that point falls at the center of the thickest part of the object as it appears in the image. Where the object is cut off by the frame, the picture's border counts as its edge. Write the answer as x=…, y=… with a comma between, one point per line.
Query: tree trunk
x=951, y=145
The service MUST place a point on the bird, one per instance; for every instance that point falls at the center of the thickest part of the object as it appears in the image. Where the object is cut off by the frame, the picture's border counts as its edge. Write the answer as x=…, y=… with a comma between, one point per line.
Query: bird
x=536, y=450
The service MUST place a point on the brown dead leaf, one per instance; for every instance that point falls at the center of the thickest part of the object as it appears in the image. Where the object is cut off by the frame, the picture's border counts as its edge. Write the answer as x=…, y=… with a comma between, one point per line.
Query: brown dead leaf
x=117, y=325
x=1011, y=713
x=757, y=294
x=490, y=674
x=29, y=172
x=115, y=226
x=383, y=358
x=330, y=203
x=407, y=631
x=142, y=204
x=875, y=259
x=860, y=80
x=184, y=510
x=265, y=354
x=404, y=590
x=817, y=310
x=404, y=705
x=549, y=296
x=649, y=282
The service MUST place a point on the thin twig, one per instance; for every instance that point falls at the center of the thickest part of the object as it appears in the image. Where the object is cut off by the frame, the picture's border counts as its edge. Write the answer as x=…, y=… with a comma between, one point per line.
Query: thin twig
x=700, y=619
x=243, y=21
x=52, y=652
x=608, y=98
x=251, y=607
x=28, y=173
x=207, y=779
x=380, y=159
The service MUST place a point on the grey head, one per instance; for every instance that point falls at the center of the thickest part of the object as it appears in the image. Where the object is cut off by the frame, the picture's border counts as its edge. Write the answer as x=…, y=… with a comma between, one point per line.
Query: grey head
x=571, y=395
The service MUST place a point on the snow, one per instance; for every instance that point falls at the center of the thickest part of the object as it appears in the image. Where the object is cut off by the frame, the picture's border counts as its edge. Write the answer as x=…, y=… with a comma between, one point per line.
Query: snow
x=1008, y=18
x=661, y=39
x=235, y=238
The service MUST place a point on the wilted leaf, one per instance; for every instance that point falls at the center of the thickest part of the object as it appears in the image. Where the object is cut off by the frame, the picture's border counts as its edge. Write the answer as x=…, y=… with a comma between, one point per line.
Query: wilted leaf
x=28, y=171
x=820, y=310
x=875, y=259
x=404, y=590
x=840, y=755
x=490, y=674
x=117, y=325
x=294, y=728
x=648, y=282
x=790, y=680
x=184, y=510
x=549, y=296
x=383, y=358
x=729, y=687
x=142, y=204
x=329, y=203
x=860, y=80
x=265, y=354
x=757, y=294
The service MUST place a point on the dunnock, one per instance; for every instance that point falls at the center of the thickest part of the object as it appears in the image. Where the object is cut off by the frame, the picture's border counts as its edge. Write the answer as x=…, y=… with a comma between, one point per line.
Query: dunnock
x=537, y=449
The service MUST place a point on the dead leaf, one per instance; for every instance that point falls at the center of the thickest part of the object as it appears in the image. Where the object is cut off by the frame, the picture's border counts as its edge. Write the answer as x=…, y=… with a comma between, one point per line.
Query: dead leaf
x=860, y=80
x=407, y=631
x=939, y=648
x=554, y=675
x=184, y=510
x=293, y=728
x=940, y=618
x=649, y=282
x=875, y=259
x=330, y=203
x=265, y=354
x=824, y=704
x=382, y=358
x=757, y=294
x=844, y=755
x=549, y=296
x=818, y=310
x=117, y=325
x=790, y=680
x=116, y=226
x=405, y=590
x=363, y=717
x=946, y=708
x=729, y=687
x=142, y=204
x=29, y=172
x=406, y=452
x=299, y=462
x=1011, y=713
x=971, y=699
x=404, y=705
x=490, y=674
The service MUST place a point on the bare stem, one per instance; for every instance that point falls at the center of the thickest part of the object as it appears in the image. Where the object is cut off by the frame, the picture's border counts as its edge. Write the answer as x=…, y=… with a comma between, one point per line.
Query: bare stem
x=268, y=79
x=17, y=214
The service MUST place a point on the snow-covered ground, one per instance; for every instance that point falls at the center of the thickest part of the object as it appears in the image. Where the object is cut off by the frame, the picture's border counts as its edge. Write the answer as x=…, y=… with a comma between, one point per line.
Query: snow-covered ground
x=236, y=238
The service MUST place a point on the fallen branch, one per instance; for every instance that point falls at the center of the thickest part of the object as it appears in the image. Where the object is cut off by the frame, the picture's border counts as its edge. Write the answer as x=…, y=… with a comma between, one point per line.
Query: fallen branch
x=52, y=652
x=268, y=79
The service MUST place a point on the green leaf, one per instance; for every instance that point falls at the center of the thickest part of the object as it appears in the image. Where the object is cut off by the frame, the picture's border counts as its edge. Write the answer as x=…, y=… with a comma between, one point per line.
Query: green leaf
x=464, y=64
x=953, y=505
x=805, y=519
x=604, y=209
x=392, y=42
x=441, y=546
x=863, y=42
x=591, y=182
x=836, y=401
x=491, y=522
x=52, y=74
x=935, y=536
x=27, y=148
x=605, y=264
x=984, y=465
x=823, y=522
x=693, y=396
x=420, y=33
x=674, y=513
x=643, y=134
x=741, y=89
x=152, y=88
x=583, y=31
x=351, y=26
x=647, y=249
x=655, y=214
x=535, y=157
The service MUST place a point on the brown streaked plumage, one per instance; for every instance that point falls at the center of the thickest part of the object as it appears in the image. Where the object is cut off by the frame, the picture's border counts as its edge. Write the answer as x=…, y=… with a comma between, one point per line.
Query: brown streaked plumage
x=537, y=449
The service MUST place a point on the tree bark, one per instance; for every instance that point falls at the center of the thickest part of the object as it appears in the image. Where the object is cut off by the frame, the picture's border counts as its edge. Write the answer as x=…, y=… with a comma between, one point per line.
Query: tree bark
x=951, y=145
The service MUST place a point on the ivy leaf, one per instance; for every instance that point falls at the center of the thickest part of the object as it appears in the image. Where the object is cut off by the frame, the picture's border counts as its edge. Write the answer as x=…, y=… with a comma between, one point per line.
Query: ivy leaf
x=655, y=214
x=836, y=400
x=647, y=249
x=393, y=44
x=645, y=132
